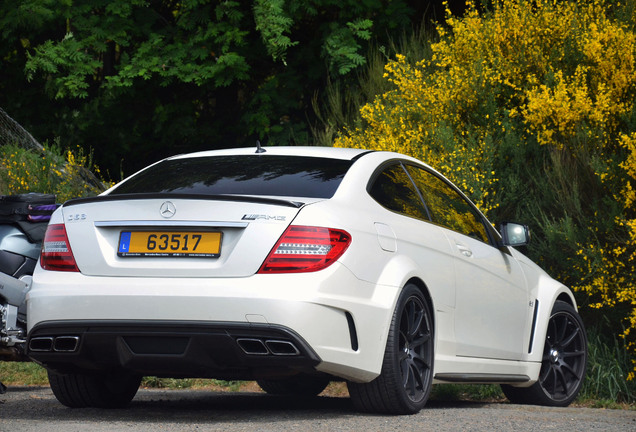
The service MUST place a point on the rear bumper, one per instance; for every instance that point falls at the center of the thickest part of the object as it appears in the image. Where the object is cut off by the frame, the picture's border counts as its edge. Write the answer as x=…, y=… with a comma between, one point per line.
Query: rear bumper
x=340, y=320
x=171, y=349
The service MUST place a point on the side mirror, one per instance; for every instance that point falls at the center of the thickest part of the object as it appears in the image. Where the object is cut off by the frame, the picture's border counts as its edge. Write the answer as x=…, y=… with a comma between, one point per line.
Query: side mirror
x=514, y=234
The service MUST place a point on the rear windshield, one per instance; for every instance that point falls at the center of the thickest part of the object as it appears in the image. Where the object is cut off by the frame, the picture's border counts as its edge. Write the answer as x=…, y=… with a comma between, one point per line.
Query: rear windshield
x=260, y=175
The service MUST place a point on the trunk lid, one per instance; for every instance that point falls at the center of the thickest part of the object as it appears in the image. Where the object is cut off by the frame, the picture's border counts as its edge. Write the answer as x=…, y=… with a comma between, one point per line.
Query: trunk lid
x=248, y=228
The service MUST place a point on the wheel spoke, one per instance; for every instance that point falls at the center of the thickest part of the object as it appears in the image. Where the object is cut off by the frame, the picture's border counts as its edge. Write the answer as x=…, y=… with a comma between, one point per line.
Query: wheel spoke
x=570, y=354
x=407, y=376
x=569, y=369
x=405, y=369
x=546, y=375
x=561, y=378
x=409, y=310
x=414, y=316
x=555, y=381
x=417, y=373
x=421, y=340
x=412, y=379
x=562, y=329
x=570, y=338
x=543, y=373
x=552, y=331
x=409, y=385
x=409, y=315
x=424, y=364
x=416, y=324
x=403, y=340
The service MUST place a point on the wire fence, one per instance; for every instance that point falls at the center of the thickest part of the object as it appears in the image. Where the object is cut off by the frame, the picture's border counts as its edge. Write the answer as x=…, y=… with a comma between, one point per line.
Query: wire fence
x=12, y=133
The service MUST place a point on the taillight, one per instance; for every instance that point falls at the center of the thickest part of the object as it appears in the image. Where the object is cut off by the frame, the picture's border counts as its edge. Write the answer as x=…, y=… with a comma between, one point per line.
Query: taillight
x=56, y=251
x=306, y=249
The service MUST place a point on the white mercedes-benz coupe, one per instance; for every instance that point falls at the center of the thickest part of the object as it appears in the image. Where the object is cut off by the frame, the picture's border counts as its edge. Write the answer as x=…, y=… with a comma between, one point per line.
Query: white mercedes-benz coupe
x=294, y=267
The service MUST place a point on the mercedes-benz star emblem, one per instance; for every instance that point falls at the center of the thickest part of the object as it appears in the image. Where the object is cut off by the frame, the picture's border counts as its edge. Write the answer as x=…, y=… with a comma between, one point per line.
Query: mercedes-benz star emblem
x=167, y=209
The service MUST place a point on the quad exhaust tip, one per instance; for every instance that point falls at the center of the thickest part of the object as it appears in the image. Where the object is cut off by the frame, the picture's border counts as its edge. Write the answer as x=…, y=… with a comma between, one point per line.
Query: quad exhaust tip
x=281, y=347
x=253, y=346
x=54, y=344
x=250, y=346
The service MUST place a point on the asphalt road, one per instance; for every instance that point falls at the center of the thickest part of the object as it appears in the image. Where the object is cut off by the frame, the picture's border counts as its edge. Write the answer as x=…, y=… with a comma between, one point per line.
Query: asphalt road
x=36, y=409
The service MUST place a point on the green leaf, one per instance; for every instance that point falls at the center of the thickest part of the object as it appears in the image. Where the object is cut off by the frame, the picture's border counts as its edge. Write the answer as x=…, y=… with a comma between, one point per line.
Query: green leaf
x=273, y=23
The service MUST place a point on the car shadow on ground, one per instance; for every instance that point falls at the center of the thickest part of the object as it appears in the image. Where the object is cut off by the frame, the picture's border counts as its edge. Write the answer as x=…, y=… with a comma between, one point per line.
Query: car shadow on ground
x=174, y=406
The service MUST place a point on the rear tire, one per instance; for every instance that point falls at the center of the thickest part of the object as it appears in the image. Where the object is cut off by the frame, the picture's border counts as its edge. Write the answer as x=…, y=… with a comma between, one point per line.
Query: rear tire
x=405, y=380
x=98, y=391
x=563, y=365
x=298, y=385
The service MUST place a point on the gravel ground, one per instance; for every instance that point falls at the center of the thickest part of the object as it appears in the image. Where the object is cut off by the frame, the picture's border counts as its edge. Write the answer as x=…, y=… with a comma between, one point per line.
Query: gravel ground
x=36, y=409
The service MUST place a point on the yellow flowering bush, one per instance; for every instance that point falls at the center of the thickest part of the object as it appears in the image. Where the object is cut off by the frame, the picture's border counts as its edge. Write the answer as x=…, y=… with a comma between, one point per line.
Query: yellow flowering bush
x=529, y=106
x=62, y=173
x=609, y=271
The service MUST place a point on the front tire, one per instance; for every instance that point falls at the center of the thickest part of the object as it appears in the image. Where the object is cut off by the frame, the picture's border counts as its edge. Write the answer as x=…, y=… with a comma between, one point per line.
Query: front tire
x=98, y=391
x=405, y=380
x=563, y=364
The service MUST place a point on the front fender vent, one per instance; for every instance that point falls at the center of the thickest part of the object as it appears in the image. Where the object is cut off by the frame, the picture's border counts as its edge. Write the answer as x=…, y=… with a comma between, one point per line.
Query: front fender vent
x=534, y=324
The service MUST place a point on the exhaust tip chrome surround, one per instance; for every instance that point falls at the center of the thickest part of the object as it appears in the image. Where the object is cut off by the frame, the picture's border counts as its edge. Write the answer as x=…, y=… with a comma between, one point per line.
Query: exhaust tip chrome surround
x=41, y=344
x=254, y=346
x=66, y=343
x=282, y=348
x=54, y=344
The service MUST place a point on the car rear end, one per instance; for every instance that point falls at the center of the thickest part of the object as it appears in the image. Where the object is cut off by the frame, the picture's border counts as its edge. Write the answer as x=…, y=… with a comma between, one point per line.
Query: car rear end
x=196, y=267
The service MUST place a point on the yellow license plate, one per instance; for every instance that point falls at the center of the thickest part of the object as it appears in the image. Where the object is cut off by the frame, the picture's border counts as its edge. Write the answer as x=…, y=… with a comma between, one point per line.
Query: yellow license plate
x=169, y=244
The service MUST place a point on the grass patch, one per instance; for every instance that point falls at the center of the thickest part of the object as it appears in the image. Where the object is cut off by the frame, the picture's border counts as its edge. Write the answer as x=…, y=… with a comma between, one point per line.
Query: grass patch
x=23, y=374
x=193, y=383
x=472, y=392
x=607, y=368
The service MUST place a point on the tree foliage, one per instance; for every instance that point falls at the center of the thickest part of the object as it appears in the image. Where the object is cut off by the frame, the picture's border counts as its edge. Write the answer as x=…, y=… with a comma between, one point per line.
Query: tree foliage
x=530, y=106
x=140, y=79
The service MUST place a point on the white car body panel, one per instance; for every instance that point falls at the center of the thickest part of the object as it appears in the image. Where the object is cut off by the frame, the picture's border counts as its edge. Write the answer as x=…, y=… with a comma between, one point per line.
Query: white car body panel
x=491, y=282
x=483, y=304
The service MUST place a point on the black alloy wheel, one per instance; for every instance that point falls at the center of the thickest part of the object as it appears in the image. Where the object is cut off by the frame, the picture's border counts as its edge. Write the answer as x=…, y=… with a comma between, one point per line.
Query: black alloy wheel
x=413, y=347
x=405, y=381
x=563, y=364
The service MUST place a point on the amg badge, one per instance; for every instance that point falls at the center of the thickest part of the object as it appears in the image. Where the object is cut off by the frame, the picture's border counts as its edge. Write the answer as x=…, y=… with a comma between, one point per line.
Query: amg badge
x=263, y=217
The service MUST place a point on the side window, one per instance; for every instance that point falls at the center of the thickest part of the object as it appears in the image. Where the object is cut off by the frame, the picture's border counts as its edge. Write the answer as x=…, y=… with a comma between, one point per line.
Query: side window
x=394, y=190
x=447, y=207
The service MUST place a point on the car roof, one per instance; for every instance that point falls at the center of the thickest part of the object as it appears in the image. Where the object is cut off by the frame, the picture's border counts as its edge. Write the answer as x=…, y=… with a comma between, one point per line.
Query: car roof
x=375, y=157
x=309, y=151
